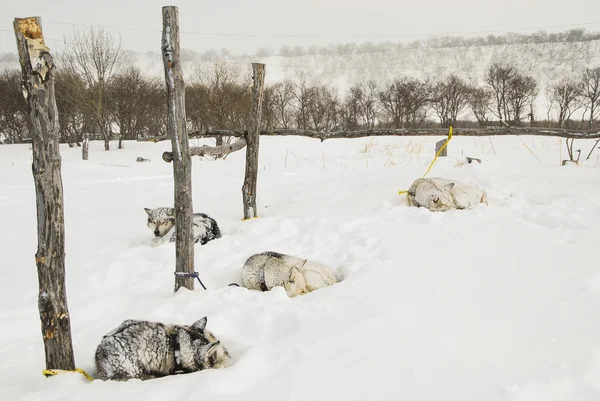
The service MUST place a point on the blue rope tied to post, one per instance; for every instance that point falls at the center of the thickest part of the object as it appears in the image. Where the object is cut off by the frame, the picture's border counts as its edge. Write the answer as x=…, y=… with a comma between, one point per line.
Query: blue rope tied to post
x=194, y=274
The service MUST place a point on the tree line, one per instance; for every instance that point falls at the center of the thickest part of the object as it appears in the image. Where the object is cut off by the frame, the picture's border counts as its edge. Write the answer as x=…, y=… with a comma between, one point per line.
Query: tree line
x=99, y=98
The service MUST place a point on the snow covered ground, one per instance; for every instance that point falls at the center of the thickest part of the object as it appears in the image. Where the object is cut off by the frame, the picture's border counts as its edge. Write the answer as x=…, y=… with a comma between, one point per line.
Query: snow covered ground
x=497, y=303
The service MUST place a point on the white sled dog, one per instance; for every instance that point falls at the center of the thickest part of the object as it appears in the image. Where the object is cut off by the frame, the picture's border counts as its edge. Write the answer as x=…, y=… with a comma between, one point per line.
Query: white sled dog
x=162, y=223
x=439, y=195
x=144, y=350
x=264, y=271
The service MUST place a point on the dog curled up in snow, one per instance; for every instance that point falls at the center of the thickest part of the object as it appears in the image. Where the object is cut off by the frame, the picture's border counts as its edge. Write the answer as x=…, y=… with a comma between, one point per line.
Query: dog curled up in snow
x=144, y=350
x=267, y=270
x=439, y=195
x=162, y=223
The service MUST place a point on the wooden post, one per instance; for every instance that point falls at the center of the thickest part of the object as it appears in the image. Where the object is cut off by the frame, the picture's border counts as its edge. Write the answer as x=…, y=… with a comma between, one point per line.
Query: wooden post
x=252, y=139
x=37, y=66
x=85, y=148
x=182, y=161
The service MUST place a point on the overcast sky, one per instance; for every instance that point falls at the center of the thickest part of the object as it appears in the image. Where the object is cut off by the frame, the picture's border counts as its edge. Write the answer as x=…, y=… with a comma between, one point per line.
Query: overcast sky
x=245, y=26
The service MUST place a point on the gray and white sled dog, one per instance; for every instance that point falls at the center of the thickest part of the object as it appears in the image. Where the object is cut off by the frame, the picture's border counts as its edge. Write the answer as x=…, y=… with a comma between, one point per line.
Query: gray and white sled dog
x=264, y=271
x=161, y=221
x=440, y=194
x=139, y=349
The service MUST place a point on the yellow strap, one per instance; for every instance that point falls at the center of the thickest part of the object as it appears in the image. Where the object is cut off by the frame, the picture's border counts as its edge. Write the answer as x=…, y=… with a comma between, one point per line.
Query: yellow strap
x=53, y=372
x=435, y=158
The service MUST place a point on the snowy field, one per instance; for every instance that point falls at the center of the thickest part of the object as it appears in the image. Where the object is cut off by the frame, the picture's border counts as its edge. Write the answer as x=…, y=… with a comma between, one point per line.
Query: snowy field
x=498, y=303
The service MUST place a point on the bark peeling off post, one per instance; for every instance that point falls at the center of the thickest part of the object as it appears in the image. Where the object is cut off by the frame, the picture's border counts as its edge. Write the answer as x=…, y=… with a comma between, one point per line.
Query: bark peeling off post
x=252, y=141
x=182, y=168
x=37, y=67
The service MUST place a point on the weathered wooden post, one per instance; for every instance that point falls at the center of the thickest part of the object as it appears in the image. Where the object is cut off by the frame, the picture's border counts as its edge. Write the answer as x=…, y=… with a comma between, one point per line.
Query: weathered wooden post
x=182, y=162
x=252, y=139
x=37, y=66
x=85, y=148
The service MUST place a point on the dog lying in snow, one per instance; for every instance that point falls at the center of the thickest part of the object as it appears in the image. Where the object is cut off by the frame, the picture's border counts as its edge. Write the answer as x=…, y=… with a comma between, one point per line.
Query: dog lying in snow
x=144, y=350
x=439, y=195
x=266, y=270
x=162, y=223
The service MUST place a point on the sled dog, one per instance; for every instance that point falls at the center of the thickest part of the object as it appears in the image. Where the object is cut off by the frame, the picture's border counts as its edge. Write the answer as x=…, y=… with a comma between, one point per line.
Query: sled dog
x=439, y=195
x=266, y=270
x=162, y=223
x=144, y=350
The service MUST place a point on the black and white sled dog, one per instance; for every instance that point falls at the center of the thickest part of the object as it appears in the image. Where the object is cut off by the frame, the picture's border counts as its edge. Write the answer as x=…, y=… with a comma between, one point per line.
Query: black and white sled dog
x=144, y=350
x=162, y=223
x=264, y=271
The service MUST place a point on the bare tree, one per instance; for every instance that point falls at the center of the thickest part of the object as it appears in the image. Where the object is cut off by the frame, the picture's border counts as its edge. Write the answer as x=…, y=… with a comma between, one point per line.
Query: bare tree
x=566, y=96
x=227, y=98
x=95, y=55
x=449, y=97
x=498, y=77
x=522, y=92
x=13, y=108
x=129, y=103
x=590, y=88
x=480, y=101
x=404, y=102
x=72, y=116
x=512, y=92
x=281, y=101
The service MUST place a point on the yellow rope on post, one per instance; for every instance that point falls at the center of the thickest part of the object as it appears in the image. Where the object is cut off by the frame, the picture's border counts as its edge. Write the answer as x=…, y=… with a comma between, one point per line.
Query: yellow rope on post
x=435, y=158
x=54, y=372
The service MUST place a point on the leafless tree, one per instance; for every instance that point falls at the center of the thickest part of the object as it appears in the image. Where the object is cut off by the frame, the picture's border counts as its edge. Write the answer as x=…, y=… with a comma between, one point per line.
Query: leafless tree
x=512, y=92
x=522, y=92
x=566, y=96
x=449, y=97
x=480, y=100
x=129, y=104
x=72, y=116
x=281, y=102
x=13, y=108
x=322, y=108
x=405, y=102
x=360, y=108
x=227, y=97
x=590, y=88
x=94, y=55
x=499, y=77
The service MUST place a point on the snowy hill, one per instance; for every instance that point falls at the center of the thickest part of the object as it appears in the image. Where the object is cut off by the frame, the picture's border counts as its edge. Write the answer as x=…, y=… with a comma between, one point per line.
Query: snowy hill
x=497, y=303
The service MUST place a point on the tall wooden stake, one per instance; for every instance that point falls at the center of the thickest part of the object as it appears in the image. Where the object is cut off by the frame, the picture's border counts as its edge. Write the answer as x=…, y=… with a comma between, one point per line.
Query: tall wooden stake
x=182, y=161
x=37, y=66
x=249, y=187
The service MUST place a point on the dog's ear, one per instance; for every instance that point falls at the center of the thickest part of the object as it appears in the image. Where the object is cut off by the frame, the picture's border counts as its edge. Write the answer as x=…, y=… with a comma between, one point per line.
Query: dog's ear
x=448, y=187
x=171, y=212
x=200, y=324
x=294, y=274
x=212, y=348
x=148, y=211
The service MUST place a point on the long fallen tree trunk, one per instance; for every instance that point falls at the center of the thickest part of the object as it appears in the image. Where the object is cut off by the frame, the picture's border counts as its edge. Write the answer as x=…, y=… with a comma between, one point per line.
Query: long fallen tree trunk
x=209, y=150
x=495, y=131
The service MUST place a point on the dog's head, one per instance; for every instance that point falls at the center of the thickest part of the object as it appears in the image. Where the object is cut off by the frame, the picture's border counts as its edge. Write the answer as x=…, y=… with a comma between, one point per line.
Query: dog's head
x=295, y=283
x=434, y=197
x=160, y=220
x=201, y=350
